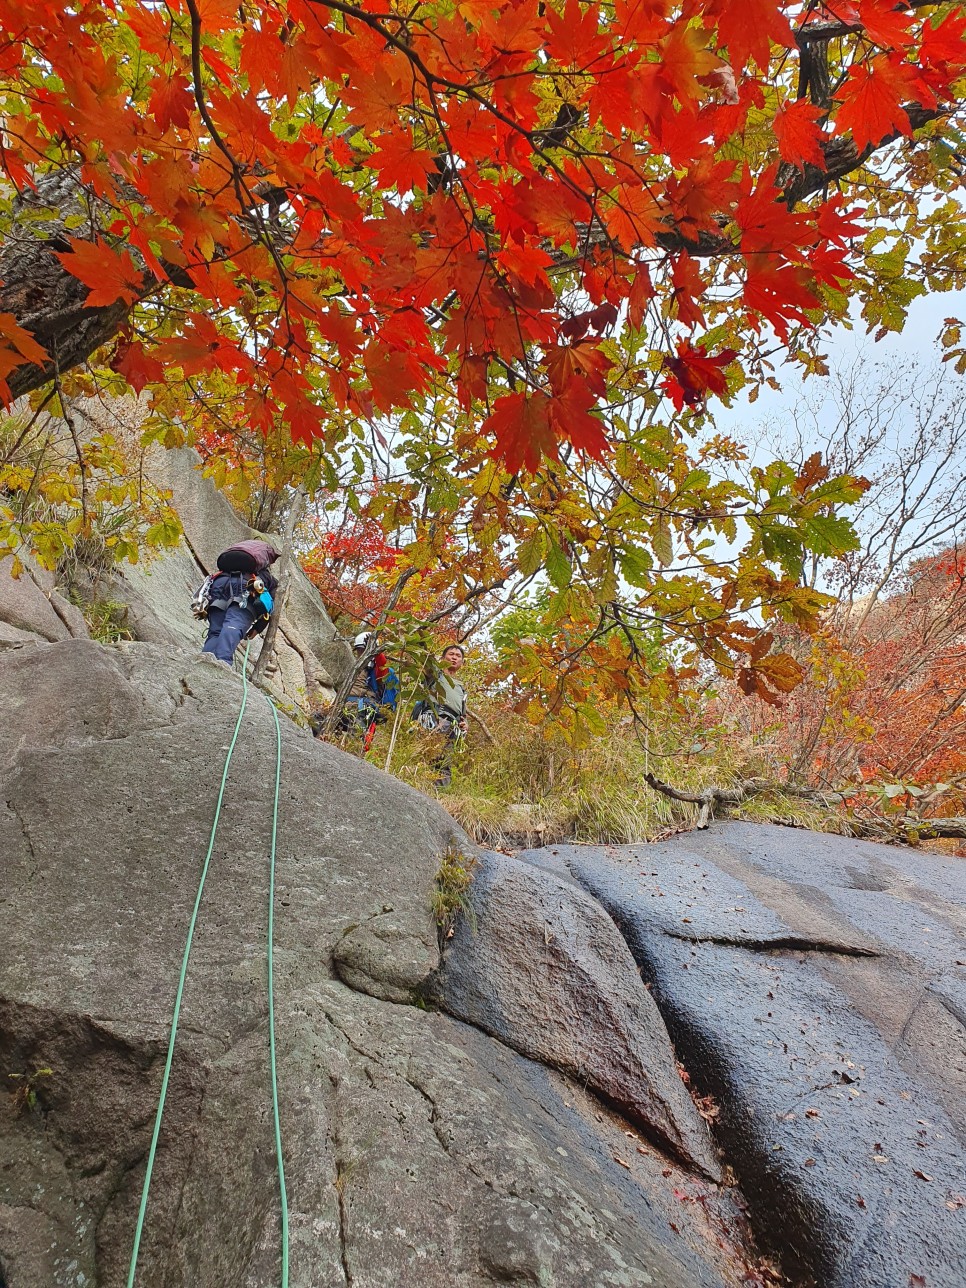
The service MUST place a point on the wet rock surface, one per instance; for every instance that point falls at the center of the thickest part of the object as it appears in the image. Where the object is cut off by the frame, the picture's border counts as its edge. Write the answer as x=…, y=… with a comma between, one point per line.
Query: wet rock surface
x=419, y=1151
x=813, y=987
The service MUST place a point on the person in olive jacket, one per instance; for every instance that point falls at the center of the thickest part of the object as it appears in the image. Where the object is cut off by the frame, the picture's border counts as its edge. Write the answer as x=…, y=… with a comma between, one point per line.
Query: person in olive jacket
x=444, y=708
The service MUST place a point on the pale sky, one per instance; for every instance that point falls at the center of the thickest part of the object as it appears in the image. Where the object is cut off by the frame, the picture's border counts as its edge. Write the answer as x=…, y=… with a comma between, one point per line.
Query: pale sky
x=917, y=340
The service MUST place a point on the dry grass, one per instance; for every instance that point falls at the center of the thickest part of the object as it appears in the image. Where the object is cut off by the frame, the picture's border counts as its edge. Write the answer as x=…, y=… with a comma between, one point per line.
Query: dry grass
x=528, y=787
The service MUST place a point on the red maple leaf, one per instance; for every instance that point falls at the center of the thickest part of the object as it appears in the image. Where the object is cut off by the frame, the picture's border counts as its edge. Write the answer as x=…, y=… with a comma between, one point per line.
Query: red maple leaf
x=748, y=27
x=171, y=103
x=944, y=47
x=110, y=274
x=570, y=414
x=521, y=425
x=689, y=286
x=872, y=97
x=399, y=162
x=694, y=374
x=798, y=134
x=583, y=361
x=886, y=22
x=136, y=366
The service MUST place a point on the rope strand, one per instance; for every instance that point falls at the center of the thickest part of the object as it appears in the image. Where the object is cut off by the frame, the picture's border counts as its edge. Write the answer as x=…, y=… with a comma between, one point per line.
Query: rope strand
x=271, y=990
x=271, y=998
x=180, y=991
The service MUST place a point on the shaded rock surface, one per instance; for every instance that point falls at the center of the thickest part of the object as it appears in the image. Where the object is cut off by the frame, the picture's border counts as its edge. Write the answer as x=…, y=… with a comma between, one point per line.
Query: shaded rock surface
x=541, y=966
x=813, y=985
x=418, y=1150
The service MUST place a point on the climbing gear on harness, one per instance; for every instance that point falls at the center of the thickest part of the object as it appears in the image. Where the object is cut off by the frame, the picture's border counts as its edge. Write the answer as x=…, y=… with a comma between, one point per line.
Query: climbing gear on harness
x=225, y=588
x=201, y=600
x=271, y=991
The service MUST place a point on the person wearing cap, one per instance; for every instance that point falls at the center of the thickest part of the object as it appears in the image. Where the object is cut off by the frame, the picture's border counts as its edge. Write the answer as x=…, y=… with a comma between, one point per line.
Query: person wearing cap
x=238, y=598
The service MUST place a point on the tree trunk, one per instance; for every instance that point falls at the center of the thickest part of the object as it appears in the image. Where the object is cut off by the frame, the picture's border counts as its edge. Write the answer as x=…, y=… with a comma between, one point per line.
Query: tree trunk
x=36, y=288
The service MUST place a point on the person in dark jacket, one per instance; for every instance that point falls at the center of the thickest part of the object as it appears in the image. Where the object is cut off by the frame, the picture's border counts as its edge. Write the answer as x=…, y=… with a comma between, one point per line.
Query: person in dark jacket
x=239, y=596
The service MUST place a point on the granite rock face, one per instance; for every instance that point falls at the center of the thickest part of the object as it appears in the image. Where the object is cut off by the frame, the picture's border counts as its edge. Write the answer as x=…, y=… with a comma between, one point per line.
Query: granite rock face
x=418, y=1149
x=31, y=608
x=309, y=658
x=542, y=967
x=152, y=598
x=814, y=986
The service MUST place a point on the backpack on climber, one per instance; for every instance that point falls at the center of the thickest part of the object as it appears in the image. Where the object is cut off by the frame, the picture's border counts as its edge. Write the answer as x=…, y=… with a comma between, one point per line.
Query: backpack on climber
x=237, y=600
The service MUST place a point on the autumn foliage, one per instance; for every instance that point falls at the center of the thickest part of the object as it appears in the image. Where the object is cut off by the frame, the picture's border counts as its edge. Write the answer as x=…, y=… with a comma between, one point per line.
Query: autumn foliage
x=450, y=175
x=886, y=702
x=501, y=256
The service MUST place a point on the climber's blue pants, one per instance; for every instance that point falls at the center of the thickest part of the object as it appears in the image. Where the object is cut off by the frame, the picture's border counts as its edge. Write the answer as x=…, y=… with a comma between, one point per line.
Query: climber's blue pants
x=226, y=629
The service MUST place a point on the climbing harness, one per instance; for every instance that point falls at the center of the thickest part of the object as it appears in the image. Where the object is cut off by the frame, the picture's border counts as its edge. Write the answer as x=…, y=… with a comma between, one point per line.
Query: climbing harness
x=248, y=590
x=270, y=963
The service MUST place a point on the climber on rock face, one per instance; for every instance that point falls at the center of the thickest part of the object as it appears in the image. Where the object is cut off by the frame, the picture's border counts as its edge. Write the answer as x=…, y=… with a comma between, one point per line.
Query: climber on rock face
x=237, y=600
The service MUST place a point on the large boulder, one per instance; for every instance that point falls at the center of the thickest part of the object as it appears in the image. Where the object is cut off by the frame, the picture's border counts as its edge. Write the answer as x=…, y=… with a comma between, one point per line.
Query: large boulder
x=150, y=600
x=541, y=966
x=418, y=1150
x=310, y=658
x=813, y=986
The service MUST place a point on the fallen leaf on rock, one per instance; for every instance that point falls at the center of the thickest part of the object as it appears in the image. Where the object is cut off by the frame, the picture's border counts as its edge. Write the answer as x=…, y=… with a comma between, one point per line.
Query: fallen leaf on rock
x=812, y=1113
x=923, y=1176
x=860, y=1200
x=917, y=1281
x=809, y=1162
x=618, y=1159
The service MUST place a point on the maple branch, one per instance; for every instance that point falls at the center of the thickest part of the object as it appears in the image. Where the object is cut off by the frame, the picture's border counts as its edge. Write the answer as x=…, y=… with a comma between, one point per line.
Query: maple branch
x=242, y=191
x=842, y=156
x=36, y=288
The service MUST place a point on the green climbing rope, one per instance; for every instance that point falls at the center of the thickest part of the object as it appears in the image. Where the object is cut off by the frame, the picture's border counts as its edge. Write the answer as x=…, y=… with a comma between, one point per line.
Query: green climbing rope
x=271, y=998
x=181, y=982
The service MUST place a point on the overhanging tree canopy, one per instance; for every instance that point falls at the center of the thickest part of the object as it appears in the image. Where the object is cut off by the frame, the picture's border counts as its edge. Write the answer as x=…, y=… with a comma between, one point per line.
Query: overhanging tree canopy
x=528, y=220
